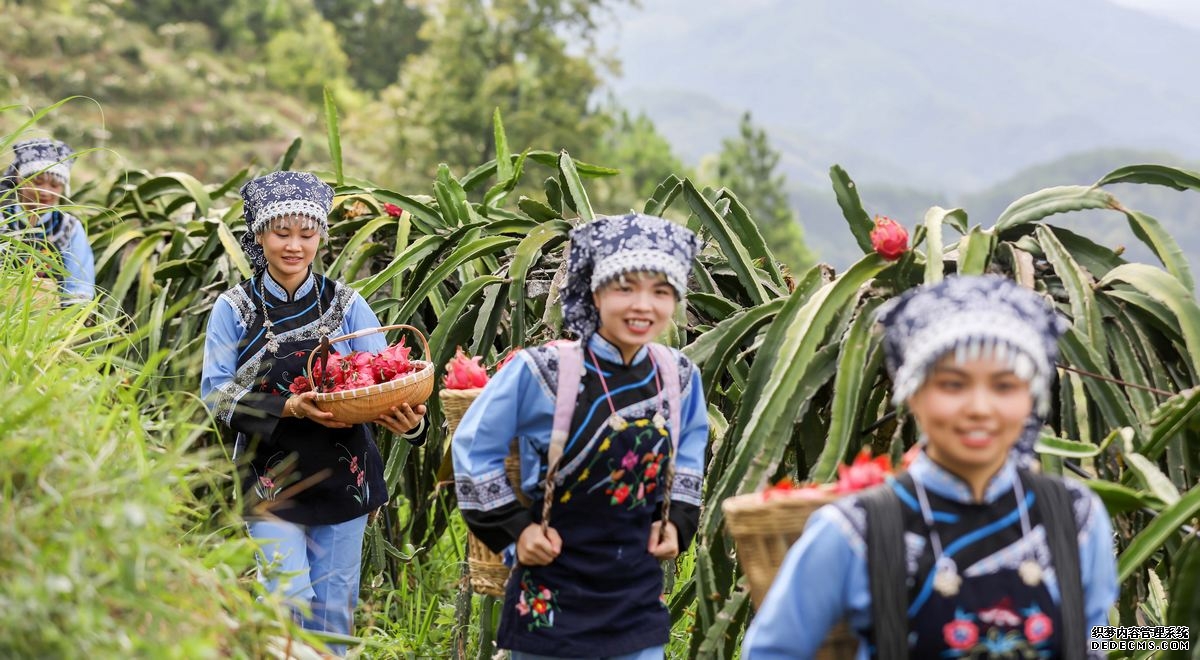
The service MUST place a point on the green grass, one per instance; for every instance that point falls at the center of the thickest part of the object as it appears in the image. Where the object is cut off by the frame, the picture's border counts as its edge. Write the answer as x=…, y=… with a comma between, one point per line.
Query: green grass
x=106, y=550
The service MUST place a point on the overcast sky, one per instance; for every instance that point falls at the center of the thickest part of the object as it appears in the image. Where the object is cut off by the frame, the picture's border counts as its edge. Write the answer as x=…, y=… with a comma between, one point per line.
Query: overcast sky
x=1184, y=11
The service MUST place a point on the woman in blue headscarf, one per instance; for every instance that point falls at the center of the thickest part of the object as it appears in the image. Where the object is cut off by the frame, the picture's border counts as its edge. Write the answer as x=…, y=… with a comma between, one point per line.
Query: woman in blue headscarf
x=308, y=481
x=30, y=193
x=968, y=554
x=612, y=432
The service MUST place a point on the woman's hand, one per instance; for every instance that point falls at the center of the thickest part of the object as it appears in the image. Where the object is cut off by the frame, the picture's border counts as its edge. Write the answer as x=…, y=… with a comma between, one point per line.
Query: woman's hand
x=668, y=546
x=302, y=406
x=402, y=419
x=537, y=549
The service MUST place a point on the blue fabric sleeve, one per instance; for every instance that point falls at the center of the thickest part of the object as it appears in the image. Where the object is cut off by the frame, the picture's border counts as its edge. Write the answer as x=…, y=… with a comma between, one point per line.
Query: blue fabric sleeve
x=220, y=350
x=80, y=264
x=360, y=316
x=510, y=406
x=689, y=463
x=823, y=579
x=693, y=426
x=233, y=405
x=224, y=333
x=1098, y=565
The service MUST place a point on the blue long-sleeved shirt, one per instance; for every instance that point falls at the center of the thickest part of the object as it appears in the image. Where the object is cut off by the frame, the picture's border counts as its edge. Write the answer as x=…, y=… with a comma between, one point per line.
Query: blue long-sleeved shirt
x=824, y=576
x=225, y=330
x=69, y=237
x=519, y=403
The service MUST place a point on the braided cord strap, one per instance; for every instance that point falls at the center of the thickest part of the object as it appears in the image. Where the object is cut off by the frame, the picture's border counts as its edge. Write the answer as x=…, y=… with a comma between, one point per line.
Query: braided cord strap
x=668, y=370
x=570, y=372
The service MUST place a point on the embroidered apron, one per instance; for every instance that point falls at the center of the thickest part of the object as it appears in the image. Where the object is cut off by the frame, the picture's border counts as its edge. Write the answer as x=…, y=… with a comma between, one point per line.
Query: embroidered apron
x=995, y=614
x=992, y=616
x=602, y=595
x=341, y=469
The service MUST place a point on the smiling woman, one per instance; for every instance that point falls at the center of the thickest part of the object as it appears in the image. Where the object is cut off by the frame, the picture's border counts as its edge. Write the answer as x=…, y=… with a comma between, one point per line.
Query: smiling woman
x=41, y=174
x=617, y=487
x=971, y=414
x=634, y=309
x=970, y=553
x=308, y=482
x=289, y=245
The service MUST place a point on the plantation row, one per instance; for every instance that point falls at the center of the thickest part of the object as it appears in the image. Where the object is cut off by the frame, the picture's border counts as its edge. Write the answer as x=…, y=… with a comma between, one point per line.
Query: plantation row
x=791, y=368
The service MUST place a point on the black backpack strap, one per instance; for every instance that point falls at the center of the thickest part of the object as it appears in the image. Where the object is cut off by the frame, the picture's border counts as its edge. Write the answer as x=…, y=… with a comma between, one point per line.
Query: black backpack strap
x=1053, y=500
x=886, y=567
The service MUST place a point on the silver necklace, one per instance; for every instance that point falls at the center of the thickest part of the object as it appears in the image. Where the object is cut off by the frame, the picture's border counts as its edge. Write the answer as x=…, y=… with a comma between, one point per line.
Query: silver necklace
x=272, y=340
x=615, y=421
x=946, y=580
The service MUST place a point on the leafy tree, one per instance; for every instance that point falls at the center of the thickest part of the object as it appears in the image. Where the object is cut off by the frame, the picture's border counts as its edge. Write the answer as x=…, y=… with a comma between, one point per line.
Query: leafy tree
x=159, y=12
x=634, y=146
x=307, y=59
x=507, y=54
x=377, y=36
x=747, y=165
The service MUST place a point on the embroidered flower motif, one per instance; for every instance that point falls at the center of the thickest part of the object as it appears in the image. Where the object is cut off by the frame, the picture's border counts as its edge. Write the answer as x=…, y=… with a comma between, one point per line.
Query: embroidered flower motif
x=1001, y=614
x=537, y=603
x=299, y=385
x=626, y=475
x=651, y=471
x=961, y=633
x=1038, y=627
x=361, y=489
x=269, y=484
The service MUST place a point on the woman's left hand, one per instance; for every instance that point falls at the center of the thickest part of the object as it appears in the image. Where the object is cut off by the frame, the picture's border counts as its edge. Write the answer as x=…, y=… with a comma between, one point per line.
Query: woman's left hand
x=402, y=419
x=668, y=546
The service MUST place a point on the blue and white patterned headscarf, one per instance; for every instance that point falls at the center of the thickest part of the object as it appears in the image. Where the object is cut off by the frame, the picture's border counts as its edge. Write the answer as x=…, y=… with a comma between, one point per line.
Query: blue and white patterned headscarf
x=973, y=316
x=40, y=156
x=281, y=194
x=607, y=248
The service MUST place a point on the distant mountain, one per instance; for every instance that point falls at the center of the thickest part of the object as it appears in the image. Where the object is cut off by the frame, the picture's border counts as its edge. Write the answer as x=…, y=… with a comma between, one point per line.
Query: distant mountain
x=946, y=94
x=826, y=232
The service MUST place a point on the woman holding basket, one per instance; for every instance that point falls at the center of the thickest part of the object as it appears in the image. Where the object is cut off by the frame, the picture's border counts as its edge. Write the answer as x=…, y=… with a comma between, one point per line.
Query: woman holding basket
x=612, y=432
x=309, y=481
x=968, y=554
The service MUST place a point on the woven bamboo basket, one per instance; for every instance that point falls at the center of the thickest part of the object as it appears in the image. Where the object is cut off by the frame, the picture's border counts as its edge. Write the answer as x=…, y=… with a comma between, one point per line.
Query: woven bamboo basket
x=487, y=568
x=455, y=404
x=763, y=531
x=364, y=404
